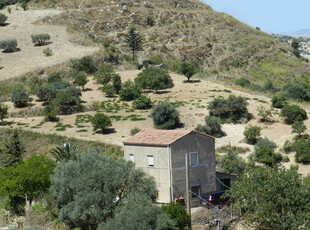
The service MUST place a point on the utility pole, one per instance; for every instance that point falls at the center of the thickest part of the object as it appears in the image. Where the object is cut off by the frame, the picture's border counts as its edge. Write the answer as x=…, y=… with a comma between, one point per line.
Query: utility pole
x=188, y=198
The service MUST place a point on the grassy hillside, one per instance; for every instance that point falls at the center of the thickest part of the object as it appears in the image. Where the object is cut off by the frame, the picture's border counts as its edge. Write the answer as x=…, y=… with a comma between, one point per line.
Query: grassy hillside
x=225, y=47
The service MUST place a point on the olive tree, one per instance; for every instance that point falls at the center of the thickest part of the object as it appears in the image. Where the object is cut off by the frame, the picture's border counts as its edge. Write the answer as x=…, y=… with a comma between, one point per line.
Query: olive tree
x=90, y=189
x=9, y=45
x=165, y=116
x=101, y=121
x=40, y=39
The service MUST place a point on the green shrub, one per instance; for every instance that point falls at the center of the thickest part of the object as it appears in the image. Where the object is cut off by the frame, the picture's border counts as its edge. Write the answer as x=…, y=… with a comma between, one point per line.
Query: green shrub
x=104, y=74
x=178, y=214
x=129, y=91
x=20, y=98
x=287, y=147
x=47, y=52
x=108, y=89
x=268, y=86
x=165, y=116
x=232, y=163
x=299, y=127
x=264, y=152
x=292, y=113
x=3, y=111
x=279, y=101
x=189, y=68
x=233, y=109
x=142, y=102
x=101, y=121
x=51, y=111
x=154, y=78
x=86, y=64
x=252, y=134
x=134, y=131
x=212, y=127
x=302, y=149
x=297, y=92
x=9, y=45
x=80, y=79
x=40, y=39
x=243, y=82
x=265, y=115
x=117, y=83
x=150, y=21
x=3, y=19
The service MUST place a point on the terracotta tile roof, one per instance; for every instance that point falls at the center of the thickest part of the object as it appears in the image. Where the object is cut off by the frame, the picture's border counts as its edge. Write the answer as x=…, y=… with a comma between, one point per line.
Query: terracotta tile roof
x=155, y=137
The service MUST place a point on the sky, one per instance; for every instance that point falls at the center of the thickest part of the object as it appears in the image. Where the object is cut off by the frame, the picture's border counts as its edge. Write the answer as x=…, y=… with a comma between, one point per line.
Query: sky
x=271, y=16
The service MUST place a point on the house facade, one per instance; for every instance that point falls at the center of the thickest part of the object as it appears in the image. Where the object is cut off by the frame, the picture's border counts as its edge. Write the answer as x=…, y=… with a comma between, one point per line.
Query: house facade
x=161, y=154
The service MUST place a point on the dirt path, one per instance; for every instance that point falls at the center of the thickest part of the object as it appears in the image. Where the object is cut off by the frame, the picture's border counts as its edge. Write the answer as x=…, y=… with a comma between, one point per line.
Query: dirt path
x=30, y=57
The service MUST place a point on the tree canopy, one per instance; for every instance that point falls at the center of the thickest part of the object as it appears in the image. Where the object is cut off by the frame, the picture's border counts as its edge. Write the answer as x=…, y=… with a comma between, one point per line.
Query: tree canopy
x=274, y=197
x=134, y=41
x=88, y=190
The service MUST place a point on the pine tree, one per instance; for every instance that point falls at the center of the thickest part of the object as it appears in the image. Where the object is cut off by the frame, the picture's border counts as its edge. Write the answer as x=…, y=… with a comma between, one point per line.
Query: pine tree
x=14, y=149
x=134, y=41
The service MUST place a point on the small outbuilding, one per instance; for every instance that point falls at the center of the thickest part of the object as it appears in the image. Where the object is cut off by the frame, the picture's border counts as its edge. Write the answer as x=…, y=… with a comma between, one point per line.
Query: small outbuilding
x=161, y=154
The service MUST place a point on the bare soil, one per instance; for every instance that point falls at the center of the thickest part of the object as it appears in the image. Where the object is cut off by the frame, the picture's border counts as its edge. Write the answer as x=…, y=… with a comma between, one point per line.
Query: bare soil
x=30, y=57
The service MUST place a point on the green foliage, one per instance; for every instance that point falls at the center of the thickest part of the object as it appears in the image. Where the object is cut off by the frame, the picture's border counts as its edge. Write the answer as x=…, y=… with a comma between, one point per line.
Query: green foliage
x=134, y=41
x=299, y=92
x=299, y=127
x=86, y=64
x=150, y=21
x=287, y=147
x=3, y=112
x=30, y=178
x=212, y=127
x=243, y=82
x=134, y=131
x=264, y=152
x=104, y=74
x=24, y=5
x=233, y=109
x=178, y=214
x=20, y=98
x=117, y=83
x=189, y=68
x=238, y=149
x=138, y=212
x=302, y=148
x=154, y=78
x=101, y=121
x=232, y=163
x=165, y=116
x=8, y=46
x=3, y=19
x=80, y=79
x=51, y=111
x=13, y=151
x=89, y=189
x=65, y=152
x=252, y=134
x=47, y=52
x=265, y=115
x=274, y=198
x=40, y=39
x=292, y=113
x=142, y=102
x=108, y=89
x=279, y=101
x=129, y=91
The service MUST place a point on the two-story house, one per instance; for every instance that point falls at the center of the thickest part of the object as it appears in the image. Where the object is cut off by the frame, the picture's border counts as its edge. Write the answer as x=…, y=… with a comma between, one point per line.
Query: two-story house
x=161, y=153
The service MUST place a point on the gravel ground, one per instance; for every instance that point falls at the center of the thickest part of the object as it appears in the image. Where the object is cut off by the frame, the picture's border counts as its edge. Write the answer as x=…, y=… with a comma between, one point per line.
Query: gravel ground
x=31, y=57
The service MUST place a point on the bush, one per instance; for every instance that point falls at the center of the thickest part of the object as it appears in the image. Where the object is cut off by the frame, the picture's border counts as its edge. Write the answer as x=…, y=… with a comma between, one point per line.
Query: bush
x=20, y=98
x=80, y=79
x=212, y=127
x=252, y=134
x=51, y=111
x=104, y=74
x=142, y=102
x=129, y=91
x=297, y=92
x=9, y=46
x=233, y=109
x=165, y=116
x=3, y=111
x=108, y=90
x=243, y=82
x=40, y=39
x=117, y=83
x=101, y=121
x=189, y=68
x=47, y=52
x=279, y=101
x=3, y=19
x=134, y=131
x=178, y=214
x=86, y=64
x=302, y=149
x=299, y=127
x=154, y=78
x=150, y=21
x=232, y=163
x=265, y=115
x=287, y=147
x=292, y=113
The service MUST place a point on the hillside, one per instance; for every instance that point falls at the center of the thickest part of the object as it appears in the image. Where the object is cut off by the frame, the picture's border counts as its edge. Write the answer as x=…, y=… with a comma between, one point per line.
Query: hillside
x=172, y=30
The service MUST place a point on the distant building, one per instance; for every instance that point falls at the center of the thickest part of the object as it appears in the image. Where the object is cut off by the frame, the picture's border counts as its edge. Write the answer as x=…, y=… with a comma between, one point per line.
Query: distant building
x=161, y=153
